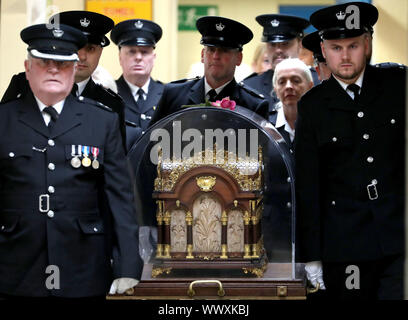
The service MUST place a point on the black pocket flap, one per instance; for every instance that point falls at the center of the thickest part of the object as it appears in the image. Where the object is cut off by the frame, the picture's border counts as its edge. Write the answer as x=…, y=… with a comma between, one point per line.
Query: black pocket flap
x=8, y=223
x=16, y=150
x=91, y=225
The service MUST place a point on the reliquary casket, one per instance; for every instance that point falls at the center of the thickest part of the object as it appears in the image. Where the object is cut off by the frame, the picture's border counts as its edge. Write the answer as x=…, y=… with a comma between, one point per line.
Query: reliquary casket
x=209, y=213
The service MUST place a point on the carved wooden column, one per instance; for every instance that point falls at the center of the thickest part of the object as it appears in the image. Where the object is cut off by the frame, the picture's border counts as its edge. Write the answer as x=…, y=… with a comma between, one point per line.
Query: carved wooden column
x=255, y=229
x=254, y=219
x=224, y=229
x=167, y=243
x=159, y=218
x=189, y=223
x=247, y=240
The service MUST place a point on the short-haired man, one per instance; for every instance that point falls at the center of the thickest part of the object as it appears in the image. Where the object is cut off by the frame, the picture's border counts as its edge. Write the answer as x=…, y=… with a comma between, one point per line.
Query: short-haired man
x=58, y=153
x=283, y=36
x=223, y=40
x=349, y=151
x=136, y=40
x=94, y=26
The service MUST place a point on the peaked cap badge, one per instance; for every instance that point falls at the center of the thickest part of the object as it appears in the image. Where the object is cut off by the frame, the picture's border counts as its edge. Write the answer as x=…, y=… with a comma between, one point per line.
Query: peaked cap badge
x=84, y=22
x=139, y=24
x=340, y=15
x=275, y=23
x=219, y=26
x=58, y=33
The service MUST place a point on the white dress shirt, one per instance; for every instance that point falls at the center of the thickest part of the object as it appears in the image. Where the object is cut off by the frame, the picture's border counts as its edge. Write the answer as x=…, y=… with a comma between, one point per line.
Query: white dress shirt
x=81, y=86
x=344, y=85
x=134, y=89
x=207, y=88
x=58, y=107
x=281, y=122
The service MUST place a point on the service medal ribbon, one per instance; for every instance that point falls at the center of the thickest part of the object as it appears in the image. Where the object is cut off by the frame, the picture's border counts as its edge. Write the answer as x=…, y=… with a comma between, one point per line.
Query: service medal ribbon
x=95, y=153
x=86, y=162
x=75, y=162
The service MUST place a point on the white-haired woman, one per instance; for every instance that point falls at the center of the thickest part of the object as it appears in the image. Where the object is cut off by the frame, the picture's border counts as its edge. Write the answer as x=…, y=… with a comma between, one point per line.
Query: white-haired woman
x=291, y=79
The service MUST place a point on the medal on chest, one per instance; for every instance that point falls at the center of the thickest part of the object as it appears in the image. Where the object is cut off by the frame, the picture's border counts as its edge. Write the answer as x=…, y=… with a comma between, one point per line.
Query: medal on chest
x=75, y=161
x=95, y=162
x=86, y=161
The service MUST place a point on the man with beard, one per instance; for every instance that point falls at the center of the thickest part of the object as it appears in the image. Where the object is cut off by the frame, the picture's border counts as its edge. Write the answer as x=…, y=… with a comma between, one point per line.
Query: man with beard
x=283, y=36
x=349, y=156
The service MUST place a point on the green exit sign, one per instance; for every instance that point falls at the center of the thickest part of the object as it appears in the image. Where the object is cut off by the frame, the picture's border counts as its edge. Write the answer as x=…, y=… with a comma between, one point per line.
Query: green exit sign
x=188, y=15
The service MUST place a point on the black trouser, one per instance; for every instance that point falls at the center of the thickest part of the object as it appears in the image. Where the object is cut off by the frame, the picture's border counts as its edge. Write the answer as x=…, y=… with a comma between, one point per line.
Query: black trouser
x=378, y=279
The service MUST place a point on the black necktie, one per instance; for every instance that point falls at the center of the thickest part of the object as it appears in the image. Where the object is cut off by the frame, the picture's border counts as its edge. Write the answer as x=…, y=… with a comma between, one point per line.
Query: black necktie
x=355, y=89
x=53, y=114
x=212, y=94
x=74, y=90
x=140, y=99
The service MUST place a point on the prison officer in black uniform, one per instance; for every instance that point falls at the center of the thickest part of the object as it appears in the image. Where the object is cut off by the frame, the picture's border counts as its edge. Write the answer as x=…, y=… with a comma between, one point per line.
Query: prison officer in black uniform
x=94, y=26
x=57, y=152
x=223, y=40
x=136, y=40
x=349, y=151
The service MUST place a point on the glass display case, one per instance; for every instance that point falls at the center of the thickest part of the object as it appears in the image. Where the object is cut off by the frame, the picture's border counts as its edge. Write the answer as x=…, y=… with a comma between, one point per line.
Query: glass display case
x=215, y=188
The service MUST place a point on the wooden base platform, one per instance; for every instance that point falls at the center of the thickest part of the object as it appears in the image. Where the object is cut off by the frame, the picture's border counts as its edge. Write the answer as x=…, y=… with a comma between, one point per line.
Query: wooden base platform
x=276, y=283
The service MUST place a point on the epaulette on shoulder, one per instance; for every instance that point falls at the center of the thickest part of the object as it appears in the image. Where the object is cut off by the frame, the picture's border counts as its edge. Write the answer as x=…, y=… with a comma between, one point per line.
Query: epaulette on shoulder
x=94, y=103
x=19, y=96
x=185, y=80
x=108, y=91
x=251, y=91
x=390, y=65
x=252, y=75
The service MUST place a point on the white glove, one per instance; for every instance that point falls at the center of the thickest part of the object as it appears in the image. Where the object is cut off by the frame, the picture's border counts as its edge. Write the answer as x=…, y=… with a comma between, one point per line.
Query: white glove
x=120, y=285
x=314, y=273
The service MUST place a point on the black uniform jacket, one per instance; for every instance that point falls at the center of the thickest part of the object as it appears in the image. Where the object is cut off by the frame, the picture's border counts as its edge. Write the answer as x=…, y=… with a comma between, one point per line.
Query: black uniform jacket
x=110, y=99
x=285, y=136
x=263, y=84
x=35, y=163
x=19, y=86
x=350, y=169
x=191, y=92
x=133, y=114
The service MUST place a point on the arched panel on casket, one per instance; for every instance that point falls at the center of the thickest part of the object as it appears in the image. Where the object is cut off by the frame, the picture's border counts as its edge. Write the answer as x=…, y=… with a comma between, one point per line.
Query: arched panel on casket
x=178, y=231
x=235, y=231
x=207, y=224
x=278, y=181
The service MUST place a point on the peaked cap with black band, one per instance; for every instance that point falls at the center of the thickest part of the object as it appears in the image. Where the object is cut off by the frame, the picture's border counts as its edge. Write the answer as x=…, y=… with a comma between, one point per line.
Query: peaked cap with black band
x=46, y=42
x=346, y=20
x=93, y=25
x=136, y=32
x=223, y=32
x=281, y=27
